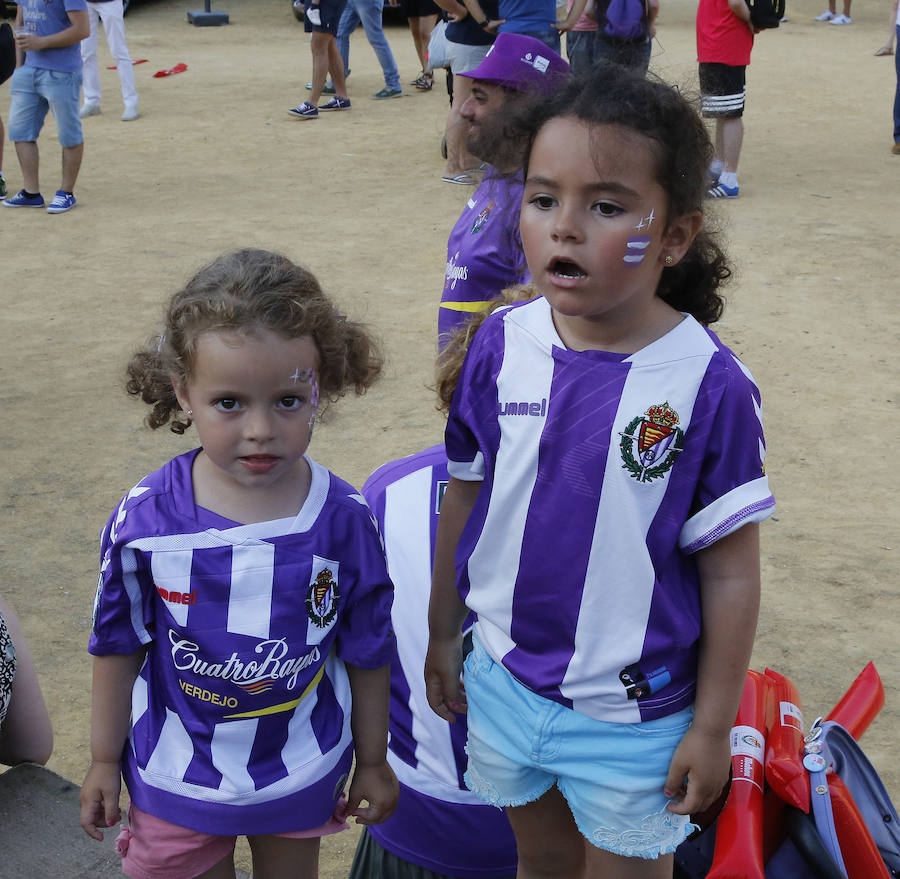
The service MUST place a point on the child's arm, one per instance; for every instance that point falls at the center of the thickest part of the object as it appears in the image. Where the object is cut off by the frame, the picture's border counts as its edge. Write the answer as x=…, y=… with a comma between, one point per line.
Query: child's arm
x=729, y=597
x=114, y=677
x=446, y=612
x=27, y=733
x=373, y=780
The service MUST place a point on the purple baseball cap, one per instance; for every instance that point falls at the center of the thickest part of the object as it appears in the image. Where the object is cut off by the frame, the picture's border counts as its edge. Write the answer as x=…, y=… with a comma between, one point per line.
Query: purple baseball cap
x=521, y=63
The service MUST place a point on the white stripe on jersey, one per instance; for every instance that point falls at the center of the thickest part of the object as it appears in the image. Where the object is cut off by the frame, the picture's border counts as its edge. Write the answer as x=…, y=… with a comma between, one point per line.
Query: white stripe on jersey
x=430, y=786
x=407, y=539
x=250, y=595
x=172, y=571
x=522, y=377
x=128, y=559
x=602, y=641
x=712, y=523
x=230, y=752
x=174, y=750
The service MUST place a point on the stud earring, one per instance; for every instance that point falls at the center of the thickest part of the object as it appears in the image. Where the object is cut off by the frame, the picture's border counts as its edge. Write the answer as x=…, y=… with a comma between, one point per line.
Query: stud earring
x=190, y=413
x=669, y=260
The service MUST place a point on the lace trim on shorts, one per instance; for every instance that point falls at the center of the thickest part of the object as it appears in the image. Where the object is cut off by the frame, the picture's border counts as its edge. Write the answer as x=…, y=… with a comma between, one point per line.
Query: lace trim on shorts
x=659, y=834
x=485, y=790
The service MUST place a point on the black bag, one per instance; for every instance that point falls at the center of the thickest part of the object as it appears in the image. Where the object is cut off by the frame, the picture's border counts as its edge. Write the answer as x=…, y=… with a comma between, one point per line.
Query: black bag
x=7, y=51
x=766, y=13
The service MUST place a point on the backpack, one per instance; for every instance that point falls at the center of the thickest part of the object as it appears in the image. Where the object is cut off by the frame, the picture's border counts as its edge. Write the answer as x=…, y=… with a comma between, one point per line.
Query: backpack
x=766, y=13
x=626, y=20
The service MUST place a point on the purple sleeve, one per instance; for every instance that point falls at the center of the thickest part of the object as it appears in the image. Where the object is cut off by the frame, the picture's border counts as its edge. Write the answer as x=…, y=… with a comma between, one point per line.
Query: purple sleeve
x=366, y=638
x=733, y=488
x=123, y=606
x=472, y=428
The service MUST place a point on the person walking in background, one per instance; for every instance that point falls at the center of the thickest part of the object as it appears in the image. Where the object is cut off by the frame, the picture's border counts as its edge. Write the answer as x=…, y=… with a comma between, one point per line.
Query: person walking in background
x=369, y=14
x=724, y=42
x=530, y=18
x=109, y=12
x=888, y=47
x=47, y=77
x=322, y=22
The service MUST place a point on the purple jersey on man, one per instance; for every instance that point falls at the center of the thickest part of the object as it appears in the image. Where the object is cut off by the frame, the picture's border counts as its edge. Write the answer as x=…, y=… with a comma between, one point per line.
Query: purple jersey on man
x=241, y=711
x=602, y=475
x=439, y=824
x=484, y=251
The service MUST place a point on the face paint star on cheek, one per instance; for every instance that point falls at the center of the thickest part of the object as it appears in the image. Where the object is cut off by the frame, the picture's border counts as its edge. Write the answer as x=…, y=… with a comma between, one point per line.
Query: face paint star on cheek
x=635, y=250
x=646, y=222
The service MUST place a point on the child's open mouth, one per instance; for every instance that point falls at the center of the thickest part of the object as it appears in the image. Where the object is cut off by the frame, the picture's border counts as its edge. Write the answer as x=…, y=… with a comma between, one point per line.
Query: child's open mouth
x=565, y=268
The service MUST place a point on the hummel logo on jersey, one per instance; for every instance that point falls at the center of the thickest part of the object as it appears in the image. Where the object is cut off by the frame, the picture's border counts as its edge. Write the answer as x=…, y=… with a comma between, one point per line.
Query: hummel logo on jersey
x=513, y=408
x=177, y=597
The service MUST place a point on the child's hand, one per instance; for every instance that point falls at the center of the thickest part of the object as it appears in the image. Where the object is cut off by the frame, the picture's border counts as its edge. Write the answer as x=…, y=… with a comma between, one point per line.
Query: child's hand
x=698, y=771
x=100, y=798
x=378, y=786
x=443, y=667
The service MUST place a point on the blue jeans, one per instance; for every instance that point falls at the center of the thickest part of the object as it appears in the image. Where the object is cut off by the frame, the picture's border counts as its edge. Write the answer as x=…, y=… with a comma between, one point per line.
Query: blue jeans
x=587, y=48
x=897, y=93
x=580, y=48
x=369, y=13
x=549, y=38
x=34, y=91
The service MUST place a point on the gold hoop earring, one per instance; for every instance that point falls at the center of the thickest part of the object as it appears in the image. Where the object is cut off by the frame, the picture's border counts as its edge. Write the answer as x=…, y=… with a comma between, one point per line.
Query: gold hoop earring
x=669, y=260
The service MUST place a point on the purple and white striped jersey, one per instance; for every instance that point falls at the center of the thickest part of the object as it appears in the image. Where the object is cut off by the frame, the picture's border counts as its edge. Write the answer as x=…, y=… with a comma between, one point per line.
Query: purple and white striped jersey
x=439, y=824
x=602, y=474
x=241, y=712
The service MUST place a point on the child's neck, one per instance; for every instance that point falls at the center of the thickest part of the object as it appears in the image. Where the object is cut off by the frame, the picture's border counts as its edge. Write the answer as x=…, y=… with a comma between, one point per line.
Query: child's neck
x=233, y=501
x=586, y=334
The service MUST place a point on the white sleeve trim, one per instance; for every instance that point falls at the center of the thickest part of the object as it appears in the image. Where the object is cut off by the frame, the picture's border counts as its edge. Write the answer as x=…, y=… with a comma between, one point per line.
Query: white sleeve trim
x=468, y=472
x=750, y=502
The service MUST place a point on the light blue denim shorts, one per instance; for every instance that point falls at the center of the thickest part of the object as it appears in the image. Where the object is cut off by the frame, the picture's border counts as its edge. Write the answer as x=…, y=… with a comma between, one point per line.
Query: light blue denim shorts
x=34, y=91
x=611, y=774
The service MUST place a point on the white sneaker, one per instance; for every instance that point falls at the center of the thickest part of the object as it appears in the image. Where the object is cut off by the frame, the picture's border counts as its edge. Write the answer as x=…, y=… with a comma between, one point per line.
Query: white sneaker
x=89, y=108
x=841, y=19
x=827, y=15
x=131, y=112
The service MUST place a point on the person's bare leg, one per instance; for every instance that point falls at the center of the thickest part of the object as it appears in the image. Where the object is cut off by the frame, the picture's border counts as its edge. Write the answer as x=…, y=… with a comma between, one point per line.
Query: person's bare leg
x=336, y=69
x=319, y=47
x=29, y=159
x=548, y=842
x=223, y=870
x=71, y=164
x=730, y=133
x=421, y=27
x=459, y=159
x=280, y=857
x=605, y=865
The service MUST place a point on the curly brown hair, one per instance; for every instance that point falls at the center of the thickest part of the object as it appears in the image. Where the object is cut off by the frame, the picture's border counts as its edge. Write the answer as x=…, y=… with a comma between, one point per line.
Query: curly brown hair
x=450, y=360
x=243, y=291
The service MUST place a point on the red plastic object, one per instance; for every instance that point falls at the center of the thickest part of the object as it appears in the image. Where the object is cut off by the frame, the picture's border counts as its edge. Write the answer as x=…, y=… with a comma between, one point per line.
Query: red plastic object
x=739, y=829
x=861, y=703
x=178, y=68
x=784, y=744
x=139, y=61
x=861, y=856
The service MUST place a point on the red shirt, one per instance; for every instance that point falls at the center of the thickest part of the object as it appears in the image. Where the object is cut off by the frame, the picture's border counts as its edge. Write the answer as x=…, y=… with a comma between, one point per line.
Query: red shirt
x=722, y=38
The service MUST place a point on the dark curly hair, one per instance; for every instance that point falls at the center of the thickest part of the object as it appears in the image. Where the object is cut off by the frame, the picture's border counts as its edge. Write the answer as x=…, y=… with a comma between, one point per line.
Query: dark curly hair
x=244, y=291
x=613, y=95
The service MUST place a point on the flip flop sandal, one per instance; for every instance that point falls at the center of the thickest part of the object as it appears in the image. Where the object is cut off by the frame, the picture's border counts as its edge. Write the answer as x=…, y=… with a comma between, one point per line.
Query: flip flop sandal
x=461, y=179
x=425, y=83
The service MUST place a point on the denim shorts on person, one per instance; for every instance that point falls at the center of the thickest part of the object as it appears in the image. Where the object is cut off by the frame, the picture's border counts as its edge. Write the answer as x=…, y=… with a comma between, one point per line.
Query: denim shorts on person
x=464, y=57
x=611, y=774
x=33, y=91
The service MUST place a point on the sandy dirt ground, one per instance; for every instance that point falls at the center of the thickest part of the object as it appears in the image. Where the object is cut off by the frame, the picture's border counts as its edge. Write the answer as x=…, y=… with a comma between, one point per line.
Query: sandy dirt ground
x=215, y=162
